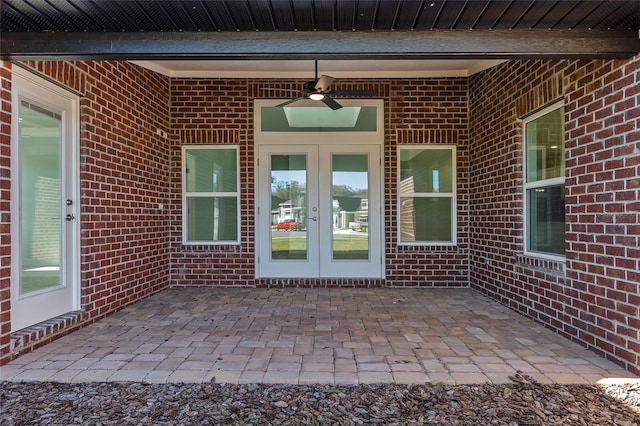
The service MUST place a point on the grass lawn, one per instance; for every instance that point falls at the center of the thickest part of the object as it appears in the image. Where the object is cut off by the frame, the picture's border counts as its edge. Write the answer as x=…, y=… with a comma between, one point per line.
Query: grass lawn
x=344, y=247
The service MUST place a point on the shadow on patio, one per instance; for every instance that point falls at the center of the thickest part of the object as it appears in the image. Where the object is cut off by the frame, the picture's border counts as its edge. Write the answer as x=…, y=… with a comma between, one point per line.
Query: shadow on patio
x=301, y=336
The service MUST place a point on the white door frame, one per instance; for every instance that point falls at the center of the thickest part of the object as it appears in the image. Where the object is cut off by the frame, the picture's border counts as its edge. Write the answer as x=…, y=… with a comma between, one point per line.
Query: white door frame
x=319, y=226
x=35, y=307
x=324, y=144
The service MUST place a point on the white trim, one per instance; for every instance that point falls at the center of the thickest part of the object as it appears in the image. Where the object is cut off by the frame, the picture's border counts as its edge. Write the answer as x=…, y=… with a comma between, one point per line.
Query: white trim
x=543, y=183
x=38, y=90
x=453, y=195
x=559, y=103
x=300, y=69
x=186, y=195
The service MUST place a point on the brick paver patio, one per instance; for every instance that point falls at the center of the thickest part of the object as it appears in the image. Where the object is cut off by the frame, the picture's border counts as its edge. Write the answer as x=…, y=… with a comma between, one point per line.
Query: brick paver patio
x=300, y=336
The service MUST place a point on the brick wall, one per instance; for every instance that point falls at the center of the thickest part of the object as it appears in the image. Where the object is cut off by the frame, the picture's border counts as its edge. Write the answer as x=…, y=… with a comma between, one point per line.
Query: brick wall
x=124, y=189
x=594, y=297
x=427, y=111
x=217, y=111
x=212, y=111
x=5, y=208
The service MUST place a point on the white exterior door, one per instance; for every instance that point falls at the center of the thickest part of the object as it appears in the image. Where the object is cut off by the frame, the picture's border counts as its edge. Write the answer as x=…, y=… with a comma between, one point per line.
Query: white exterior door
x=44, y=203
x=319, y=211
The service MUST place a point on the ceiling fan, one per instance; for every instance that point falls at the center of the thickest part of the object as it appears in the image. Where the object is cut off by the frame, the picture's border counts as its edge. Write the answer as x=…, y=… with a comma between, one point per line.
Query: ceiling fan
x=319, y=90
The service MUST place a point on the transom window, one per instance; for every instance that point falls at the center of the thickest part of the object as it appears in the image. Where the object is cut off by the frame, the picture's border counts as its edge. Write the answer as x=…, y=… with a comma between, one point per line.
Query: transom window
x=210, y=202
x=427, y=194
x=544, y=182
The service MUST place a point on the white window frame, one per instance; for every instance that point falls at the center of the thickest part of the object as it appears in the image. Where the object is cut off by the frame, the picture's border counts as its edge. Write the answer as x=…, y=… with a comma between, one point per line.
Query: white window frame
x=452, y=195
x=186, y=195
x=544, y=183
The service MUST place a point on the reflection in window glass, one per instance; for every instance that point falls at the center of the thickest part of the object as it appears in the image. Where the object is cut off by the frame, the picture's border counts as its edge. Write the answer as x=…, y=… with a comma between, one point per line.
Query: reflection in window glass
x=426, y=170
x=289, y=207
x=210, y=176
x=212, y=219
x=545, y=146
x=544, y=186
x=546, y=220
x=427, y=194
x=40, y=194
x=350, y=196
x=212, y=170
x=426, y=219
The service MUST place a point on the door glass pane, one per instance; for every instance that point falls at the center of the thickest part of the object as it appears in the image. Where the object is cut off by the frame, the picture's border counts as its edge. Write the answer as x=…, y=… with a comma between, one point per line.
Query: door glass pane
x=40, y=198
x=350, y=196
x=289, y=207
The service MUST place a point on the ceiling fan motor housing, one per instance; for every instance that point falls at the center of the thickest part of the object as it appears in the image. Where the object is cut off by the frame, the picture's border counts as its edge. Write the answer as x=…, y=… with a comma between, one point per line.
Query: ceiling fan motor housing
x=310, y=87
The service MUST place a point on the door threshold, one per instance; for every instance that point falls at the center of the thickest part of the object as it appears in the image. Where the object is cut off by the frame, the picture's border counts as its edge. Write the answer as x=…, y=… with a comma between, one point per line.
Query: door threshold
x=321, y=282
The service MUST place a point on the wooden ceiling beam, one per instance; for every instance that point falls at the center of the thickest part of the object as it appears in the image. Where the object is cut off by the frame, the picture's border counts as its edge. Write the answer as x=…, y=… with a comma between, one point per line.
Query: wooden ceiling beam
x=437, y=44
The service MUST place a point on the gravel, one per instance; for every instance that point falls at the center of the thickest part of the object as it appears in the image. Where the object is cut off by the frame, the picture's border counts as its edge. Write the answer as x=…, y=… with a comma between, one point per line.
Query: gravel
x=521, y=402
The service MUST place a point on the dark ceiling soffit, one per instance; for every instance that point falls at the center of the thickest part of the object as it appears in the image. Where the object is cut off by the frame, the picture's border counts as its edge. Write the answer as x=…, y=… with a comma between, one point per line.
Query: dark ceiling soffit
x=480, y=44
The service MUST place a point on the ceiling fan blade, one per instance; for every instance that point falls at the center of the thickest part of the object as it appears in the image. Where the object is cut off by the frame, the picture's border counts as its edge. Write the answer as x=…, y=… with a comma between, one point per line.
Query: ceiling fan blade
x=323, y=83
x=290, y=101
x=354, y=92
x=331, y=103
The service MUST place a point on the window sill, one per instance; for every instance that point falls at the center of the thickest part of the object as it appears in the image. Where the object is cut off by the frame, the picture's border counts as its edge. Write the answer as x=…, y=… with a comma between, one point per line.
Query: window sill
x=428, y=248
x=552, y=266
x=212, y=248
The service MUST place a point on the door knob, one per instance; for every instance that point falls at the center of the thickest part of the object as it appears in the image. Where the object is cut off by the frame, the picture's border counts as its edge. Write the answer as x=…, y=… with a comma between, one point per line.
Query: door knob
x=69, y=217
x=315, y=218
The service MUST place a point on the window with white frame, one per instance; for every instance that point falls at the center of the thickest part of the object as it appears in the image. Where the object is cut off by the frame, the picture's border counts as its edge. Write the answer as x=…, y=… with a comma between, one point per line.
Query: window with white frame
x=544, y=181
x=210, y=202
x=427, y=194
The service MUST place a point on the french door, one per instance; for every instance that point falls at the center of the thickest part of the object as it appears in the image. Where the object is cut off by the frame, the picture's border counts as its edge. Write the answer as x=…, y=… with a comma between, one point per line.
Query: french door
x=44, y=228
x=319, y=212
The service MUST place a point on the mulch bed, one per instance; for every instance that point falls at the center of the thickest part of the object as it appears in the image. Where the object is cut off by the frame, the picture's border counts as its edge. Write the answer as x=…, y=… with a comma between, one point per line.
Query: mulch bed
x=522, y=402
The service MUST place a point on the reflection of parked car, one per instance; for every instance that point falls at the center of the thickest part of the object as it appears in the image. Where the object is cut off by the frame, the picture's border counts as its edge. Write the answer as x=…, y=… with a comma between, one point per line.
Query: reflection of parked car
x=289, y=225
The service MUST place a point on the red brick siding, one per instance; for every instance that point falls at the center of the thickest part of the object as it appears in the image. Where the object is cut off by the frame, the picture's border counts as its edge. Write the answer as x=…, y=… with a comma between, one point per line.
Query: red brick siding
x=5, y=209
x=123, y=181
x=212, y=111
x=594, y=302
x=218, y=111
x=426, y=111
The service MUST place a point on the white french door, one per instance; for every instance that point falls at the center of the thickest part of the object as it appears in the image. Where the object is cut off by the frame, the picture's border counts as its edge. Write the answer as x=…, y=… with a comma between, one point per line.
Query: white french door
x=319, y=212
x=44, y=228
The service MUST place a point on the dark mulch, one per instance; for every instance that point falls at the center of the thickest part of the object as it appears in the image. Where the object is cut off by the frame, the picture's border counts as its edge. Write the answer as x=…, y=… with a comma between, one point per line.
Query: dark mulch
x=522, y=402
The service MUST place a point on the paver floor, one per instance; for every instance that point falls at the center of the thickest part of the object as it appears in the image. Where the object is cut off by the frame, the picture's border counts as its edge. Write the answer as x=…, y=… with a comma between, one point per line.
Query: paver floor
x=301, y=336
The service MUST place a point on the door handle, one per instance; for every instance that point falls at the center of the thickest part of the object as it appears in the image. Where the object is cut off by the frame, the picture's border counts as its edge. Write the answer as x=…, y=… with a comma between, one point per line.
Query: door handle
x=315, y=218
x=69, y=217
